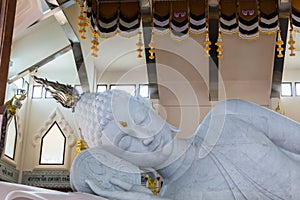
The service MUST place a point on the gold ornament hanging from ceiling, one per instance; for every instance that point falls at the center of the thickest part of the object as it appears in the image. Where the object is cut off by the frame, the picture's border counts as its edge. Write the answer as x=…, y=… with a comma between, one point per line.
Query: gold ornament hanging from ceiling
x=179, y=18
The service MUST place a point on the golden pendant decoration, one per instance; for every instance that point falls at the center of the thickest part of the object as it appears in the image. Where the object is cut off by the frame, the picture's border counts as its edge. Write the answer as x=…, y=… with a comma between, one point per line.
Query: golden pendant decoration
x=279, y=44
x=207, y=43
x=95, y=43
x=139, y=44
x=82, y=20
x=220, y=45
x=292, y=43
x=152, y=47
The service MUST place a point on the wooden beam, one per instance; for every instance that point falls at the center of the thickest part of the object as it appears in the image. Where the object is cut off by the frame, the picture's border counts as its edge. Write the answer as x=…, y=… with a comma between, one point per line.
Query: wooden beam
x=151, y=63
x=213, y=60
x=7, y=18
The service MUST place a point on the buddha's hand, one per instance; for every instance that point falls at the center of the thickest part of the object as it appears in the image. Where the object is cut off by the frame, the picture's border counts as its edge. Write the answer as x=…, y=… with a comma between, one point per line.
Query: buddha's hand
x=130, y=191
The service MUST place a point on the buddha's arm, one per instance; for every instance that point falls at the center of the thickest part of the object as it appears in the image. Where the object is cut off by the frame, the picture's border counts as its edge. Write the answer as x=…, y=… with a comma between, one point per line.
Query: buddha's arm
x=282, y=131
x=130, y=192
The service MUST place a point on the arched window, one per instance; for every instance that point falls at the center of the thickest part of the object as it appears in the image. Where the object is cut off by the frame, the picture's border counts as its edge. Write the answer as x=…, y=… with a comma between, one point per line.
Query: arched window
x=53, y=146
x=11, y=138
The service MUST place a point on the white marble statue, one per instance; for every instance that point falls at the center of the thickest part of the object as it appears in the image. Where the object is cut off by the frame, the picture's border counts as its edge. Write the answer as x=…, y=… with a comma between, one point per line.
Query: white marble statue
x=240, y=151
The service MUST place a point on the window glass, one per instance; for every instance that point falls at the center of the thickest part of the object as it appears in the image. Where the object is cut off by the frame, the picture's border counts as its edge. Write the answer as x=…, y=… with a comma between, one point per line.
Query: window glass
x=11, y=138
x=144, y=90
x=48, y=94
x=286, y=89
x=101, y=88
x=53, y=146
x=37, y=91
x=297, y=88
x=130, y=88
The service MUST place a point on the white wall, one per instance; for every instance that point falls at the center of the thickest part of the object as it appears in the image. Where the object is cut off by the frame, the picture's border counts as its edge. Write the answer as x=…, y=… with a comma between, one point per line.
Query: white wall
x=37, y=115
x=290, y=105
x=183, y=79
x=246, y=69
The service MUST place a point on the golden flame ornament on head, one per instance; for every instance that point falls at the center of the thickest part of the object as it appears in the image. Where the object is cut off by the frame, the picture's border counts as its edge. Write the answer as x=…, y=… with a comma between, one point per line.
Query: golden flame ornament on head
x=207, y=43
x=139, y=44
x=152, y=47
x=279, y=44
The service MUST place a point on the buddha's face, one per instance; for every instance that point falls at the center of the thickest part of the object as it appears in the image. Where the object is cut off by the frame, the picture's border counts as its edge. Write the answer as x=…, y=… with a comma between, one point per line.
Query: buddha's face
x=138, y=131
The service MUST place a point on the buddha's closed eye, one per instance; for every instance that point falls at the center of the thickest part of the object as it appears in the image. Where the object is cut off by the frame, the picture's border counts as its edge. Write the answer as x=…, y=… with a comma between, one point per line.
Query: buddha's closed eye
x=141, y=117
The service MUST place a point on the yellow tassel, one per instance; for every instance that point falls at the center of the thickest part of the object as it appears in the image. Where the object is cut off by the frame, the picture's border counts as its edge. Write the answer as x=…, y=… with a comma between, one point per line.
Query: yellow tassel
x=207, y=43
x=82, y=20
x=220, y=45
x=279, y=42
x=152, y=47
x=151, y=50
x=280, y=49
x=292, y=43
x=151, y=57
x=220, y=49
x=220, y=55
x=95, y=43
x=139, y=44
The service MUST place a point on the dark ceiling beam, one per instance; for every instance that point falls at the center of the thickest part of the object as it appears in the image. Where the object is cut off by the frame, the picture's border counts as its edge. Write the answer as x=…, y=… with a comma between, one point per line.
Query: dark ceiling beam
x=151, y=63
x=213, y=27
x=279, y=62
x=284, y=15
x=7, y=16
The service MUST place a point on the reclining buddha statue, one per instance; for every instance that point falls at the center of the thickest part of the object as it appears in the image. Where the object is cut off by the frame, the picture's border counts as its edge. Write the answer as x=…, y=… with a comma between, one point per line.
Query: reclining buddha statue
x=239, y=151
